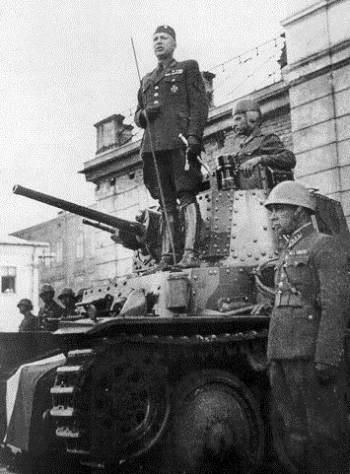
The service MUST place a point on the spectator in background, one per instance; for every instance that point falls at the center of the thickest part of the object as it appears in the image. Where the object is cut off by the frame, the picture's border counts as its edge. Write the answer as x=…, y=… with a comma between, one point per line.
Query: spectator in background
x=67, y=299
x=51, y=310
x=30, y=322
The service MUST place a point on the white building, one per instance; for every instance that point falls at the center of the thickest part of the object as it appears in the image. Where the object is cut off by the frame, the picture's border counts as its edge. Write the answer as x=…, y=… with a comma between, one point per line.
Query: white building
x=18, y=278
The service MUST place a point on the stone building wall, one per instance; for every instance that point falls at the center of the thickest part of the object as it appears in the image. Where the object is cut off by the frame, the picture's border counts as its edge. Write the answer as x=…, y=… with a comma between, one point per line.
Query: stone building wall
x=318, y=74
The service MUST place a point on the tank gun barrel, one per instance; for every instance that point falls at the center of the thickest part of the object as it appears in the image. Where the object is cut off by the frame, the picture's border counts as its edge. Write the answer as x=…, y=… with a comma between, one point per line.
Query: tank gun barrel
x=116, y=222
x=106, y=228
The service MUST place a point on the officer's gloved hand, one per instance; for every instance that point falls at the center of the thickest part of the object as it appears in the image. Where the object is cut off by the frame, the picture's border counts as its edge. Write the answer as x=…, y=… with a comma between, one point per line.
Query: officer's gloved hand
x=325, y=373
x=194, y=145
x=152, y=111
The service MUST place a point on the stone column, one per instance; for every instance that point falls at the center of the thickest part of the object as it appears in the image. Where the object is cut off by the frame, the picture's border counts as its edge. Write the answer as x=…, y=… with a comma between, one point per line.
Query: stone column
x=318, y=73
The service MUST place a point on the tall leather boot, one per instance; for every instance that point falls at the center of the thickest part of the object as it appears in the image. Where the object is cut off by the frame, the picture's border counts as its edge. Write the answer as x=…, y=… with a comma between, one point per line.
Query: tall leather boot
x=167, y=259
x=190, y=256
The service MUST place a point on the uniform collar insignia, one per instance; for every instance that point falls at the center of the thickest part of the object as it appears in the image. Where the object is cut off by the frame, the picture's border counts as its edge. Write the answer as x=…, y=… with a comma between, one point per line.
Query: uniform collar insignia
x=300, y=233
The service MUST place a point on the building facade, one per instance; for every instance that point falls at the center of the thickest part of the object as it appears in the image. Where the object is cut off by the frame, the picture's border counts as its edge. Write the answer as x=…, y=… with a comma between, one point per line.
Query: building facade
x=19, y=273
x=318, y=77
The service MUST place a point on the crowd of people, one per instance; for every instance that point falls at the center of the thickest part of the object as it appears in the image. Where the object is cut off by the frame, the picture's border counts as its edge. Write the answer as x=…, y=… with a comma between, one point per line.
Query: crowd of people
x=51, y=312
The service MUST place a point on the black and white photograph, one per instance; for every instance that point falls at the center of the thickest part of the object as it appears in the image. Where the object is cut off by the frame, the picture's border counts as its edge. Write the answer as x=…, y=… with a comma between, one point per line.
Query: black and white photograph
x=174, y=237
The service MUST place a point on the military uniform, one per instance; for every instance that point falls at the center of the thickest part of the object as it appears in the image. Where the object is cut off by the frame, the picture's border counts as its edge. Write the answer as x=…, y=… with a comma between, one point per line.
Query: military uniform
x=180, y=92
x=29, y=323
x=67, y=299
x=68, y=312
x=270, y=147
x=307, y=328
x=50, y=310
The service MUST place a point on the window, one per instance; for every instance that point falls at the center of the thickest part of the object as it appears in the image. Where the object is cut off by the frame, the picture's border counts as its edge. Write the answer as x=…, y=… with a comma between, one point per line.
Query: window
x=8, y=279
x=79, y=249
x=46, y=257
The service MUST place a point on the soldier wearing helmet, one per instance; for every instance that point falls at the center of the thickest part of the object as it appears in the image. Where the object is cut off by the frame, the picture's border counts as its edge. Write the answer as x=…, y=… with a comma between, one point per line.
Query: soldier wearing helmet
x=51, y=310
x=306, y=335
x=257, y=148
x=30, y=322
x=67, y=299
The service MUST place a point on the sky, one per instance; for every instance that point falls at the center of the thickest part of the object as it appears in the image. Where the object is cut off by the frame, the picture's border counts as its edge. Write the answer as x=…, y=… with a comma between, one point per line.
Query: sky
x=66, y=64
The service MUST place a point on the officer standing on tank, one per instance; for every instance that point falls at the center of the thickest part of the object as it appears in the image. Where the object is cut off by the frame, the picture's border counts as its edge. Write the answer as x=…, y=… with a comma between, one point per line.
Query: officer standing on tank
x=30, y=322
x=172, y=101
x=306, y=334
x=255, y=147
x=51, y=310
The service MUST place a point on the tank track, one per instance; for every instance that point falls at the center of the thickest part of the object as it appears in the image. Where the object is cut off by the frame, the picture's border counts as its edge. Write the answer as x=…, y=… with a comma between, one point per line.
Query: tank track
x=69, y=398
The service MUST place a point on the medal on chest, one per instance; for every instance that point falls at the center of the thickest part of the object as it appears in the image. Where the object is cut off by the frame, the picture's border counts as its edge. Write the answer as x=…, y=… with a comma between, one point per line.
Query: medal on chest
x=174, y=88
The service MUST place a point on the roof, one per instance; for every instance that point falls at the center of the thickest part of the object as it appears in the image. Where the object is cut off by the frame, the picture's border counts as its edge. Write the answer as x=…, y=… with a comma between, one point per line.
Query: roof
x=11, y=240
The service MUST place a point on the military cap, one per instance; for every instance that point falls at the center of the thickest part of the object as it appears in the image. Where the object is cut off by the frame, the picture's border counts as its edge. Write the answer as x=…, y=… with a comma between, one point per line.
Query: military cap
x=166, y=29
x=46, y=289
x=246, y=105
x=66, y=292
x=25, y=302
x=293, y=194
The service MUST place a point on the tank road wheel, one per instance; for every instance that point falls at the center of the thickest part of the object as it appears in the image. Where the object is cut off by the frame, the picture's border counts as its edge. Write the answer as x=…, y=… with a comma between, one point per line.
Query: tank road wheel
x=216, y=426
x=128, y=404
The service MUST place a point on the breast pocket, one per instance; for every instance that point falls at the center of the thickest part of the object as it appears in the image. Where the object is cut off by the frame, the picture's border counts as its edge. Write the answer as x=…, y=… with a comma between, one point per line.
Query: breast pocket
x=174, y=85
x=298, y=269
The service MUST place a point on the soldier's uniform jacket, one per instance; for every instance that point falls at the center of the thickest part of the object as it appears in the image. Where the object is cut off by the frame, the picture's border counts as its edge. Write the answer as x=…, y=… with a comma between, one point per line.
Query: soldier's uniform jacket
x=49, y=311
x=257, y=144
x=29, y=323
x=180, y=92
x=311, y=305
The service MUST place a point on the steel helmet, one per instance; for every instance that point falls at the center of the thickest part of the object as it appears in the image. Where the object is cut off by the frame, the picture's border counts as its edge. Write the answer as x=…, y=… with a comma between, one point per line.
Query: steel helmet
x=66, y=292
x=293, y=194
x=46, y=289
x=25, y=302
x=246, y=105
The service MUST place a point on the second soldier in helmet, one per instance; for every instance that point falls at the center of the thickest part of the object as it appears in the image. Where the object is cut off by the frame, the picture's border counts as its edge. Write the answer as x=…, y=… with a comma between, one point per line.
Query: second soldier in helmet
x=67, y=299
x=306, y=335
x=51, y=310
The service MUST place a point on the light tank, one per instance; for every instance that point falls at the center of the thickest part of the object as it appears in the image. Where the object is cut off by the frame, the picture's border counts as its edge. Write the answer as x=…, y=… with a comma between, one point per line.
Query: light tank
x=166, y=370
